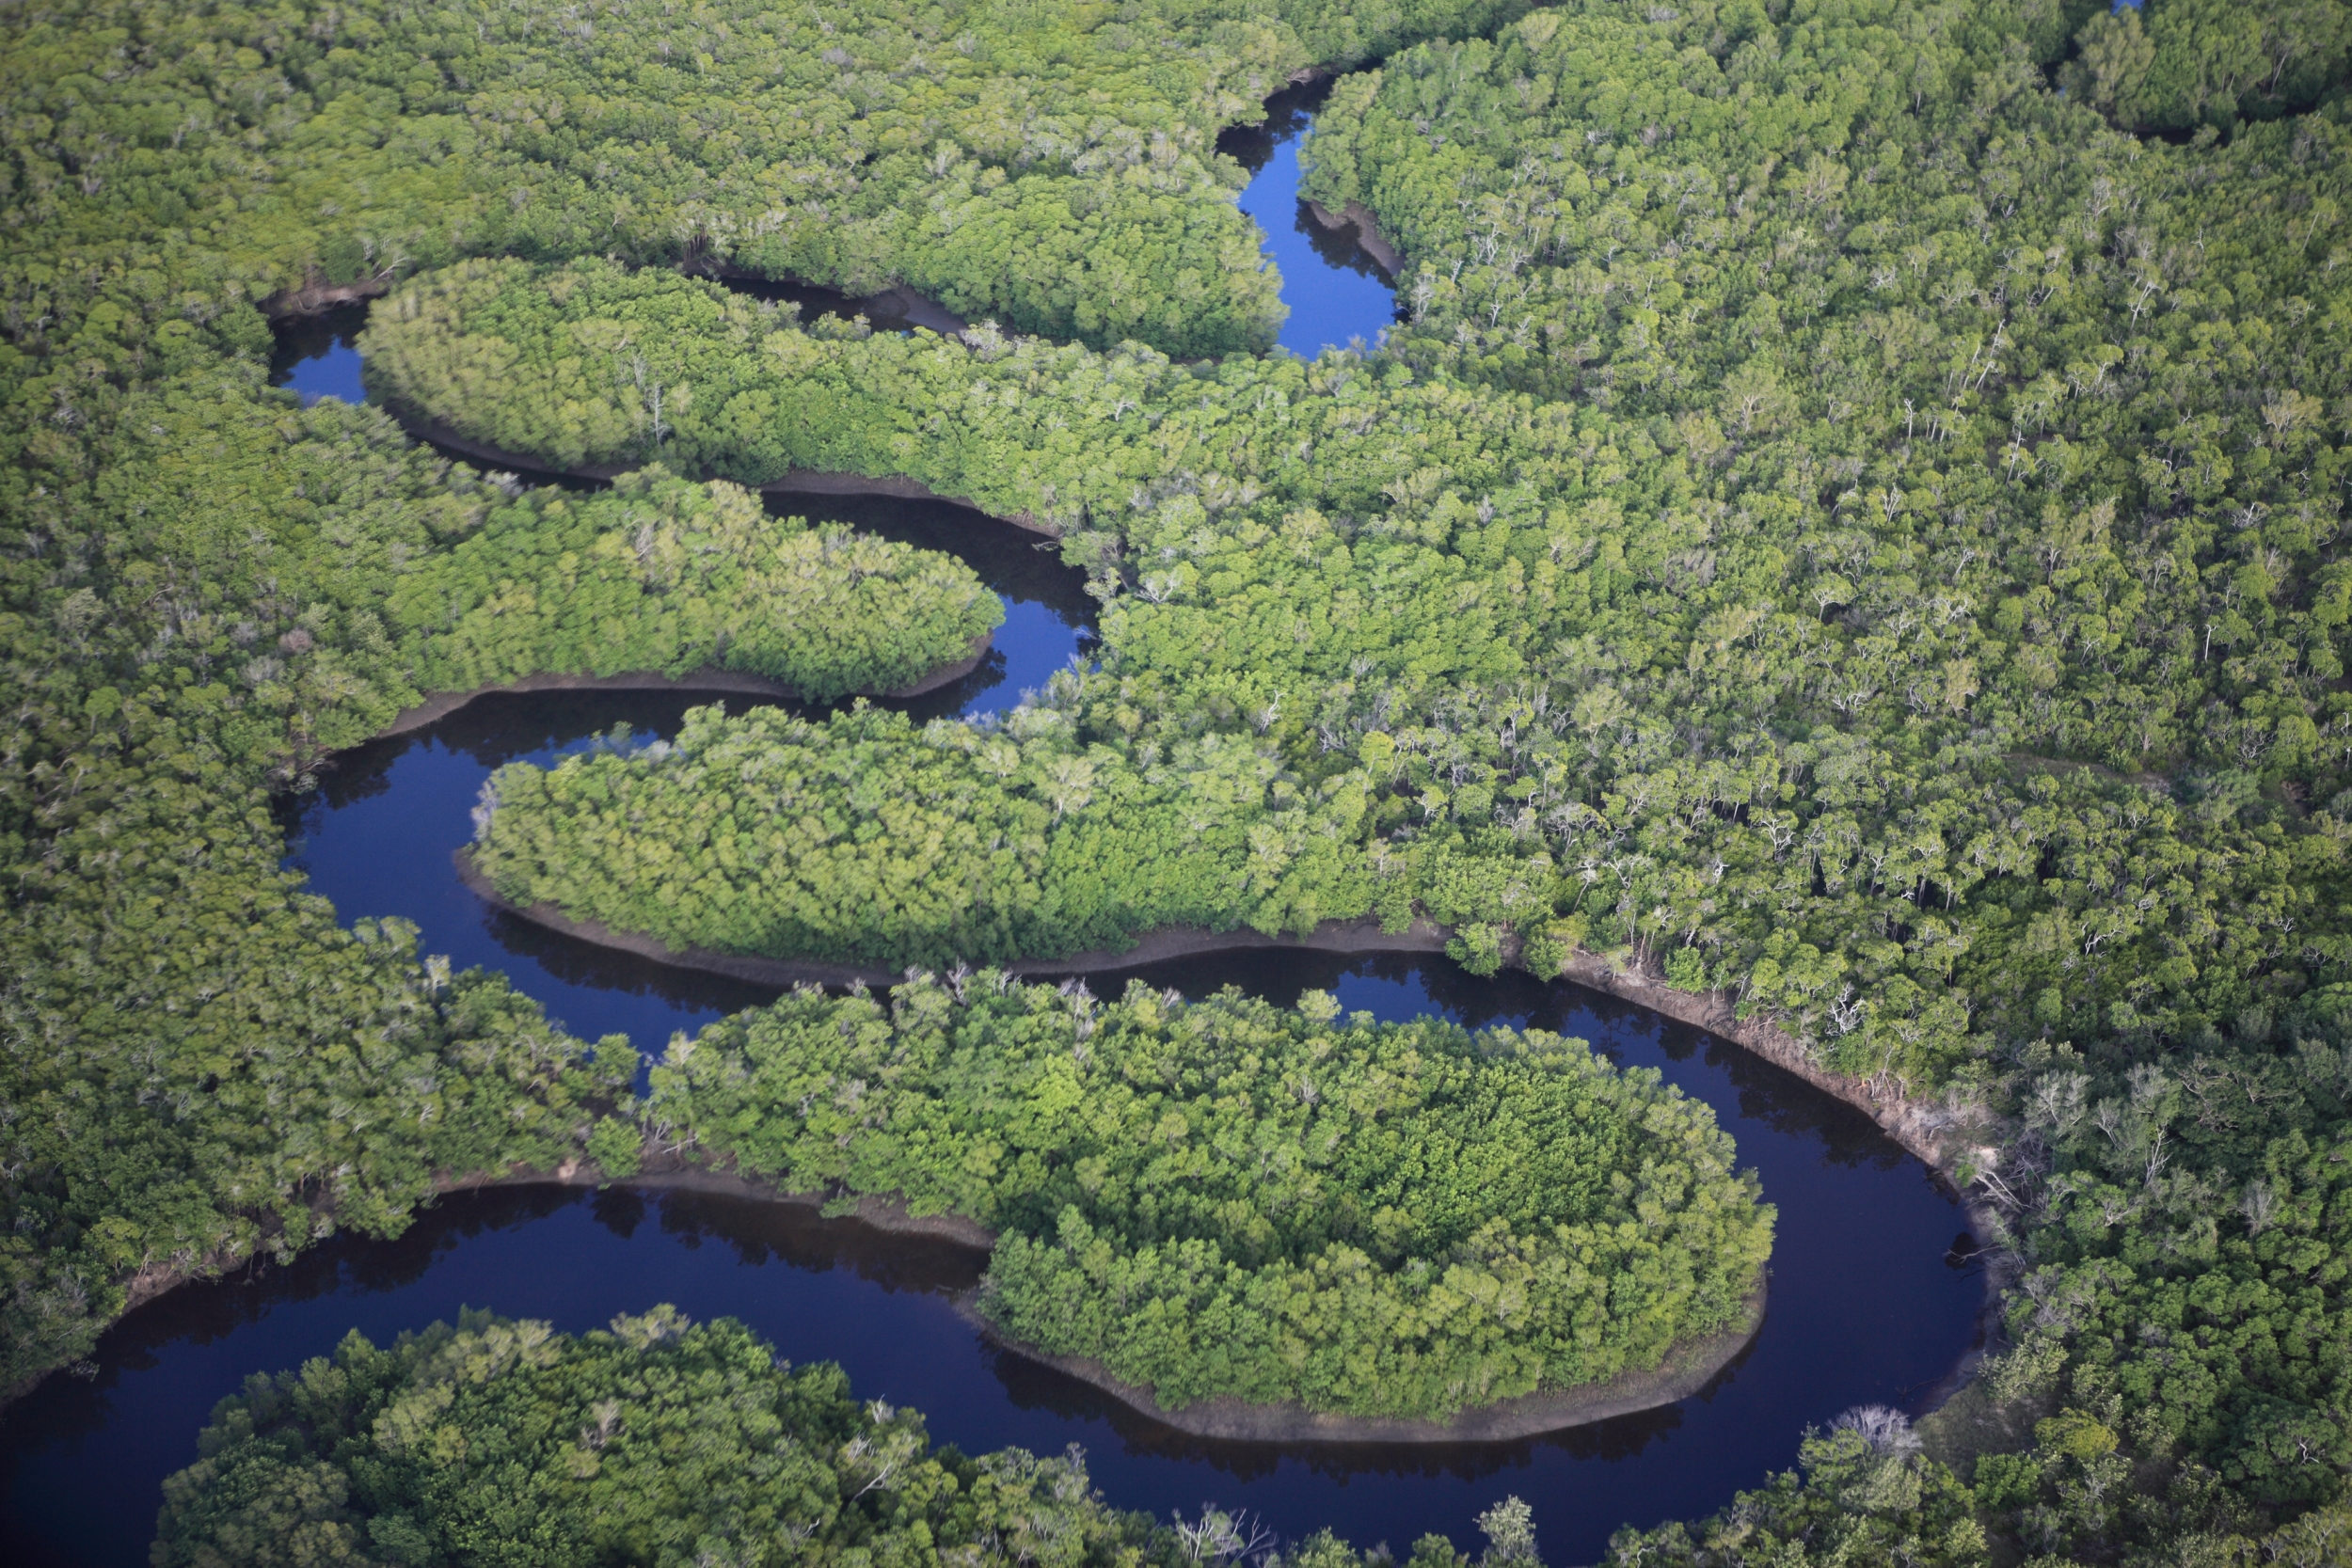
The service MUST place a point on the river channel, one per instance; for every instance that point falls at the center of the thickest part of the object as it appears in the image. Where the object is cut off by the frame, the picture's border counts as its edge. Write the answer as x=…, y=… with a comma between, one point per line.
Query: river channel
x=1873, y=1298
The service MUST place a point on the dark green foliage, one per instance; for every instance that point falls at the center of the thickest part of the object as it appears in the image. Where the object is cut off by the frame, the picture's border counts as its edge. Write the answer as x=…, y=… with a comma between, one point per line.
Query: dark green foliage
x=657, y=1442
x=2188, y=1268
x=2175, y=65
x=1223, y=1197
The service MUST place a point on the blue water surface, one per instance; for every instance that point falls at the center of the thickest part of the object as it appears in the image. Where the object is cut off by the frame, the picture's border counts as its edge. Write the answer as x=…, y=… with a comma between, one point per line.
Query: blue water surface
x=1337, y=294
x=318, y=357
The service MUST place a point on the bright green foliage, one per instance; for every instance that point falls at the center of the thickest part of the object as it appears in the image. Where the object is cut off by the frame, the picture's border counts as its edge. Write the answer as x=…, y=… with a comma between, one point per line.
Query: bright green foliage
x=202, y=1066
x=859, y=835
x=657, y=1442
x=1319, y=576
x=199, y=578
x=216, y=626
x=659, y=574
x=1223, y=1197
x=2189, y=1272
x=1865, y=1494
x=1845, y=526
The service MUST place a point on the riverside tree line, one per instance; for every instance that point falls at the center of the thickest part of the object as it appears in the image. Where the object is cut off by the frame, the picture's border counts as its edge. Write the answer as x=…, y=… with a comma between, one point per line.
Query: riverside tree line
x=1855, y=521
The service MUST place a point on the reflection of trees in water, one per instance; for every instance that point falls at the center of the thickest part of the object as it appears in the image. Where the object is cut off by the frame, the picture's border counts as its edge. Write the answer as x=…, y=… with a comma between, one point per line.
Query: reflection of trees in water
x=1786, y=1103
x=882, y=313
x=1011, y=561
x=1339, y=247
x=1286, y=116
x=66, y=1407
x=758, y=1234
x=583, y=963
x=1032, y=1387
x=761, y=1233
x=296, y=338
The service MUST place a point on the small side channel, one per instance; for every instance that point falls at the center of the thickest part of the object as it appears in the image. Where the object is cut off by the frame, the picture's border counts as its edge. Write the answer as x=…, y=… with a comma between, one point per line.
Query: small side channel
x=1338, y=292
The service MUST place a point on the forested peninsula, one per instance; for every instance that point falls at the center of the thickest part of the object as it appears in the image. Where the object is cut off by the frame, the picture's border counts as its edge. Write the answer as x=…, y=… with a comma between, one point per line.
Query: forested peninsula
x=1849, y=525
x=654, y=1440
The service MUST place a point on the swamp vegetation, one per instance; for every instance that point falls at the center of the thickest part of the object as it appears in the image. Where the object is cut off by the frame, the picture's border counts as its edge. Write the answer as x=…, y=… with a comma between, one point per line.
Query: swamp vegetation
x=1853, y=523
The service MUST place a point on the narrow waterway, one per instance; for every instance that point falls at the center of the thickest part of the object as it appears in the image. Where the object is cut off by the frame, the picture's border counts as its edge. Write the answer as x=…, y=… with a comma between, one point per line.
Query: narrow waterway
x=1874, y=1298
x=1869, y=1302
x=1337, y=293
x=377, y=834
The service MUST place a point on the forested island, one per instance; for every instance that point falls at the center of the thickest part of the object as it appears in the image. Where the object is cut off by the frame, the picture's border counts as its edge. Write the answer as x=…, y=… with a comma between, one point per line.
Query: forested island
x=1848, y=534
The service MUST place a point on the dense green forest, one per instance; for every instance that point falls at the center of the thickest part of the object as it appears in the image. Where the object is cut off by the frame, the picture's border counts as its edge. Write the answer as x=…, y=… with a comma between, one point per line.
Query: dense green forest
x=198, y=572
x=1223, y=1197
x=659, y=574
x=1854, y=520
x=657, y=1441
x=662, y=1441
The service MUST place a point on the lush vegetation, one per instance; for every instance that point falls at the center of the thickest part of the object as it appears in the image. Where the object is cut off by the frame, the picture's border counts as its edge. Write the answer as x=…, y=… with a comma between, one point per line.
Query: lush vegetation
x=1880, y=532
x=2190, y=63
x=1225, y=1199
x=860, y=834
x=1049, y=164
x=659, y=574
x=1855, y=522
x=657, y=1441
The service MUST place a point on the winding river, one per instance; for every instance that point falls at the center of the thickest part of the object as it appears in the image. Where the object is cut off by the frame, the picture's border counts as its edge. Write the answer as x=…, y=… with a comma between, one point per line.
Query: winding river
x=1337, y=290
x=1873, y=1296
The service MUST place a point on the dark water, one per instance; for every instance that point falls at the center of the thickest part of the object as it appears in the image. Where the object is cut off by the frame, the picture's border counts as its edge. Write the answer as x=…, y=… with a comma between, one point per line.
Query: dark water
x=377, y=834
x=1049, y=619
x=1872, y=1297
x=1336, y=292
x=1866, y=1304
x=896, y=310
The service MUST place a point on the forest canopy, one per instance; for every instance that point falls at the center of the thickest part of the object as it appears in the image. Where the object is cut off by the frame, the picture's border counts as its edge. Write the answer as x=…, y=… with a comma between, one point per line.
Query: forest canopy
x=654, y=1440
x=1223, y=1199
x=1852, y=523
x=658, y=574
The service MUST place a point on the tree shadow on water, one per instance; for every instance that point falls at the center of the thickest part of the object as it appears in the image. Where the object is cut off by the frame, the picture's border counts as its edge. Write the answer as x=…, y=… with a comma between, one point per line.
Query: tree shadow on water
x=1032, y=1385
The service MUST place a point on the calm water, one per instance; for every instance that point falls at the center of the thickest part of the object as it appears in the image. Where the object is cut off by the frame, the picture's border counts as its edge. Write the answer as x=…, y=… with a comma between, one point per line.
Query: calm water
x=1867, y=1304
x=314, y=354
x=1873, y=1297
x=1870, y=1300
x=377, y=834
x=1336, y=292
